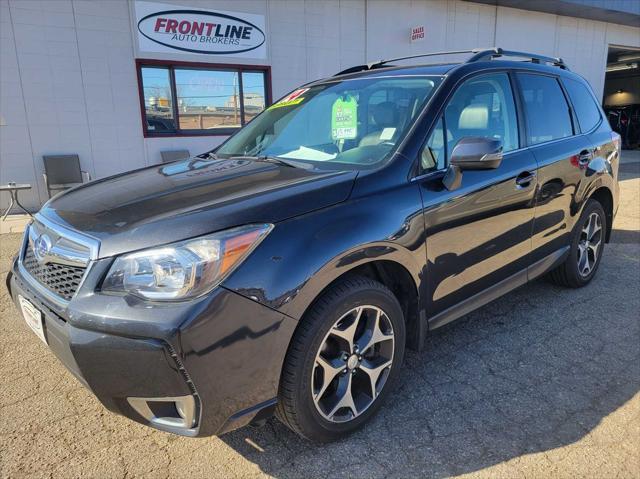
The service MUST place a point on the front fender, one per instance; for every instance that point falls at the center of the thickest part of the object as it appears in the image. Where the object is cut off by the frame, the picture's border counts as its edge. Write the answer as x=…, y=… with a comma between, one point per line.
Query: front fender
x=303, y=255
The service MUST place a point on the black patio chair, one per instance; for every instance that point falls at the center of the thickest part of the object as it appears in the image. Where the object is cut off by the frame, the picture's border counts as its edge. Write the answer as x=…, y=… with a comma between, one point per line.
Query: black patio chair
x=174, y=155
x=62, y=172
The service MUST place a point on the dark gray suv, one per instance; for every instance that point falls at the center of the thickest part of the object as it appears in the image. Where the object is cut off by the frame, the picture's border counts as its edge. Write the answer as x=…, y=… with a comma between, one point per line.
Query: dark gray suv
x=287, y=270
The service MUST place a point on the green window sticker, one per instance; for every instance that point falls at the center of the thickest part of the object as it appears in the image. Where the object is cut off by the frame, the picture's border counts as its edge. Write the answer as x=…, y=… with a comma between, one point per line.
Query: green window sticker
x=344, y=119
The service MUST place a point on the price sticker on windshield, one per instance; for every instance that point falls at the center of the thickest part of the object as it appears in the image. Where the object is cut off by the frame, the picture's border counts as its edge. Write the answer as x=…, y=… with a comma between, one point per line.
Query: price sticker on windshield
x=293, y=98
x=344, y=119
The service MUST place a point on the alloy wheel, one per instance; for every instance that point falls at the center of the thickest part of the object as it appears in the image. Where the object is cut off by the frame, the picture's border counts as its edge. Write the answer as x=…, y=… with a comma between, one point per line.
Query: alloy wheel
x=589, y=244
x=352, y=364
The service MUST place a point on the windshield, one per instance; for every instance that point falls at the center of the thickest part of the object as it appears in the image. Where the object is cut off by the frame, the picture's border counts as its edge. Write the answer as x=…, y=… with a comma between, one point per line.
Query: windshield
x=355, y=122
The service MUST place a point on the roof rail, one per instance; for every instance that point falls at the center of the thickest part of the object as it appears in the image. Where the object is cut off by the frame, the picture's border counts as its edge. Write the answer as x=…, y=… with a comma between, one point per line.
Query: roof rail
x=379, y=63
x=479, y=54
x=499, y=52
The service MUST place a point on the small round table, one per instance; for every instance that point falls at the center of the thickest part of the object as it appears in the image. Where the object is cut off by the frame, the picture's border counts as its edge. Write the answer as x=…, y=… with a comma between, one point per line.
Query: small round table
x=13, y=189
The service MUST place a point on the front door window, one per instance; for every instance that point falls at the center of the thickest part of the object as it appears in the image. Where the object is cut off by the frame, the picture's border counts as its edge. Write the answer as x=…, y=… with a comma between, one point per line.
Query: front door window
x=483, y=106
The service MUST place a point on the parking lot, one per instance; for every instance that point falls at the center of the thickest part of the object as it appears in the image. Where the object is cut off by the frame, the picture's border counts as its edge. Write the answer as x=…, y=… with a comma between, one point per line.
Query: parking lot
x=543, y=382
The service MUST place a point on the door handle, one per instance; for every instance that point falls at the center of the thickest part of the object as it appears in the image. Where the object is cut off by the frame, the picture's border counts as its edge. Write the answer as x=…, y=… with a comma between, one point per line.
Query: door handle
x=524, y=179
x=584, y=157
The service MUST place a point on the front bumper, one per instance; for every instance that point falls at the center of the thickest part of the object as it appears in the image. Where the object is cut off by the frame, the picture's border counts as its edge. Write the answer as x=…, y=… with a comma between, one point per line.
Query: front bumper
x=224, y=350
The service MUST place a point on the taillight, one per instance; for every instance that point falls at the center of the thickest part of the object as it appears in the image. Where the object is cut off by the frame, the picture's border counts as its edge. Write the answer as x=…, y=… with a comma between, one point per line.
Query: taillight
x=616, y=139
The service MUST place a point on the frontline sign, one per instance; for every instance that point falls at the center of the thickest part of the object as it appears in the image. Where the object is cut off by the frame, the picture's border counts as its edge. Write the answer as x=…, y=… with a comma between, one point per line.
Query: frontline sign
x=169, y=28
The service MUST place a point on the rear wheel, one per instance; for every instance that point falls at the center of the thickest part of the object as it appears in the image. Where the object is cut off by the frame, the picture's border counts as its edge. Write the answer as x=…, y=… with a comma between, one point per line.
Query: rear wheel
x=587, y=244
x=342, y=360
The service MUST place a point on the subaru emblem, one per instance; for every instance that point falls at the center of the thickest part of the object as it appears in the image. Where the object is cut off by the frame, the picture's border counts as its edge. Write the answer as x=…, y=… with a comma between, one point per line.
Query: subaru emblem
x=42, y=247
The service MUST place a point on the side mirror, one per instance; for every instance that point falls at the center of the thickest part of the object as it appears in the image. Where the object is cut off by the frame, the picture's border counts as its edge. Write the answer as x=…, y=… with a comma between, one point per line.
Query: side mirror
x=472, y=153
x=477, y=153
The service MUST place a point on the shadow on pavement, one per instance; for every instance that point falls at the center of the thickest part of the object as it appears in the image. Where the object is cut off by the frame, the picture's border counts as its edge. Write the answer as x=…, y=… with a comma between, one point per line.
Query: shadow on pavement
x=630, y=169
x=535, y=370
x=625, y=236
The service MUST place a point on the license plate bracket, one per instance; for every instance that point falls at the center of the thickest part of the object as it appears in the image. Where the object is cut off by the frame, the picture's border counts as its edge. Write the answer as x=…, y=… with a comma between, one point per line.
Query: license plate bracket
x=33, y=317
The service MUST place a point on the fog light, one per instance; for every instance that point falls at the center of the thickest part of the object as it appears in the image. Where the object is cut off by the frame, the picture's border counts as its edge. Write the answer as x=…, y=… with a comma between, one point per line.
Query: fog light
x=180, y=409
x=172, y=414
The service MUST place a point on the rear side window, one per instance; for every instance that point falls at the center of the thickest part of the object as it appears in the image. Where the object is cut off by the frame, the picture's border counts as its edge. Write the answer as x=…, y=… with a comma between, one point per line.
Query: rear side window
x=584, y=104
x=545, y=107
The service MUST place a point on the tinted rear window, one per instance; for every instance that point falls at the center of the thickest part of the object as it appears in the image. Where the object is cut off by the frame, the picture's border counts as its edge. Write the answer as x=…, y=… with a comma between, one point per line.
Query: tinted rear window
x=545, y=107
x=584, y=104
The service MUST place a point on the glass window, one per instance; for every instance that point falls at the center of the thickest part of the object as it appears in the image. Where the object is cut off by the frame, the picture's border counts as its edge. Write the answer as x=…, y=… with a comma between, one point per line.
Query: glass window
x=388, y=108
x=355, y=122
x=158, y=100
x=584, y=104
x=433, y=154
x=253, y=90
x=545, y=107
x=482, y=106
x=207, y=100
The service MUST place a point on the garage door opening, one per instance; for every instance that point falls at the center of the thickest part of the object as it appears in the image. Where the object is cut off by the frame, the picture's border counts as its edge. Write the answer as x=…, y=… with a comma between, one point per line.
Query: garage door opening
x=621, y=100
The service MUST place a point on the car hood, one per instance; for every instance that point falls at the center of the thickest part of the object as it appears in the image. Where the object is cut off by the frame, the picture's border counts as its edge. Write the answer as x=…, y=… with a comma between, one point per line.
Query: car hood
x=185, y=199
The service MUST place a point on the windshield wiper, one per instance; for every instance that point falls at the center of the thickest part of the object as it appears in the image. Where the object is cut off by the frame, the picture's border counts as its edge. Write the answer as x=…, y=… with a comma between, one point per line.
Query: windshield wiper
x=272, y=159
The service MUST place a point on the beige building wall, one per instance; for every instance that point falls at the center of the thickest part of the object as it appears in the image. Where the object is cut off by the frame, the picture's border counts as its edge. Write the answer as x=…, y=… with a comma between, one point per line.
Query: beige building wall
x=68, y=78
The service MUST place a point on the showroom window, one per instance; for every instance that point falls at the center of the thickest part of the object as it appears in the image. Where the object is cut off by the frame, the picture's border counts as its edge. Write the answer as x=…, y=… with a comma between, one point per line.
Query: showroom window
x=185, y=99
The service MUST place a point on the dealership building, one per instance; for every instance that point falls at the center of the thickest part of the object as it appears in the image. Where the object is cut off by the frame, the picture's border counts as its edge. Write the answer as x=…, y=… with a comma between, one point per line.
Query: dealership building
x=120, y=82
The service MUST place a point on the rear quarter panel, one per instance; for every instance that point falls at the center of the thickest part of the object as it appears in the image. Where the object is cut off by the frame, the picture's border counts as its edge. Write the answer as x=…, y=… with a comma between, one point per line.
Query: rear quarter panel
x=565, y=186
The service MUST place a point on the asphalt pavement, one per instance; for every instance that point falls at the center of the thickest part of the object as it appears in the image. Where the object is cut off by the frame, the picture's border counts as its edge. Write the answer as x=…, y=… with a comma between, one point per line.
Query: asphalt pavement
x=543, y=382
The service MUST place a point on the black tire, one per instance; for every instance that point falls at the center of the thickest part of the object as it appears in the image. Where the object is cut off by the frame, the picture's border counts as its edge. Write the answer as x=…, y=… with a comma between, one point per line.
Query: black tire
x=568, y=274
x=296, y=407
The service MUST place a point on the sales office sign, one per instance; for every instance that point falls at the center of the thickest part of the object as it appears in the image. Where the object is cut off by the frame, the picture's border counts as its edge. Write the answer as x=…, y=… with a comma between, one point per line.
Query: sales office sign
x=170, y=28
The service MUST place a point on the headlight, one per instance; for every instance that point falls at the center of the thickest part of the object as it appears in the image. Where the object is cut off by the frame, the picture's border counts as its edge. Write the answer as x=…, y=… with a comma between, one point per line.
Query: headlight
x=186, y=269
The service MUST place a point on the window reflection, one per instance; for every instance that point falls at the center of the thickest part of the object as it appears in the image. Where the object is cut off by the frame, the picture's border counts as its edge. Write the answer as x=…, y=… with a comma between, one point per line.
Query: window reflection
x=158, y=101
x=253, y=90
x=207, y=100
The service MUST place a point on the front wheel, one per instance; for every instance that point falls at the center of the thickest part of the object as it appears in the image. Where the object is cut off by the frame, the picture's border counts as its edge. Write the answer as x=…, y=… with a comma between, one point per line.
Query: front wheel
x=587, y=245
x=342, y=361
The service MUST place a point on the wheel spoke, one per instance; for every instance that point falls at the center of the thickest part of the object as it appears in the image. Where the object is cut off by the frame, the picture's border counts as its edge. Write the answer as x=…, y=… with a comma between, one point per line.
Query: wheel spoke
x=330, y=368
x=374, y=371
x=373, y=335
x=583, y=259
x=348, y=333
x=345, y=398
x=594, y=249
x=594, y=226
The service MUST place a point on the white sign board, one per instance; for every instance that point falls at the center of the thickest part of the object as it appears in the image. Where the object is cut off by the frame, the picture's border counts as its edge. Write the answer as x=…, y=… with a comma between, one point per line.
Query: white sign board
x=417, y=34
x=174, y=29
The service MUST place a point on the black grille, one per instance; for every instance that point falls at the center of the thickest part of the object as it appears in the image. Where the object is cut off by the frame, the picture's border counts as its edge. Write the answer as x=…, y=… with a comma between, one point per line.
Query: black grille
x=60, y=279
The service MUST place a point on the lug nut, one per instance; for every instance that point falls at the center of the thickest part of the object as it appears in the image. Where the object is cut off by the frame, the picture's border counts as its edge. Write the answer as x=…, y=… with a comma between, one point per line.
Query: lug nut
x=353, y=371
x=344, y=371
